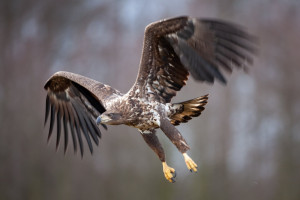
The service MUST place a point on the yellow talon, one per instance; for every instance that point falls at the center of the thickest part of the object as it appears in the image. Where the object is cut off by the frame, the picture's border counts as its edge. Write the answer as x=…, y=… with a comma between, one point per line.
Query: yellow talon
x=191, y=165
x=169, y=172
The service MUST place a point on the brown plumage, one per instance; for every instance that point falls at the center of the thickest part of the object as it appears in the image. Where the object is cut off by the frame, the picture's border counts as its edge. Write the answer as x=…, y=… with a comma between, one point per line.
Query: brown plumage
x=188, y=109
x=172, y=50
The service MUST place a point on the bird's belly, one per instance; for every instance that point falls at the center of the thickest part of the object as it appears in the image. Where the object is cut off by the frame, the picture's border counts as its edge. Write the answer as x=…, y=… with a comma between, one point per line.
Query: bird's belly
x=146, y=126
x=146, y=121
x=145, y=114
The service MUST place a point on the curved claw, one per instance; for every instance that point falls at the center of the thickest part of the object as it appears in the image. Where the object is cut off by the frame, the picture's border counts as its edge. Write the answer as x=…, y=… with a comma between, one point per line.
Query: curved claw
x=169, y=172
x=174, y=174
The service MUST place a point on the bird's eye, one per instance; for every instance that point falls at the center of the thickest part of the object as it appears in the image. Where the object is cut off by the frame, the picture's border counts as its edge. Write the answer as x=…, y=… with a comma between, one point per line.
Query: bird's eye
x=111, y=115
x=115, y=115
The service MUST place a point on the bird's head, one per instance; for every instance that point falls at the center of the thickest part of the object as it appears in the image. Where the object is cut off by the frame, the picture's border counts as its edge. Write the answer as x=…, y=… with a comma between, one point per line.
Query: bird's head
x=110, y=119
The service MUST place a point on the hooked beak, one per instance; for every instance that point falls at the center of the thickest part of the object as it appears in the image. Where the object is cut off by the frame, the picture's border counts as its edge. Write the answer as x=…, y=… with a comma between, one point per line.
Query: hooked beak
x=98, y=120
x=103, y=119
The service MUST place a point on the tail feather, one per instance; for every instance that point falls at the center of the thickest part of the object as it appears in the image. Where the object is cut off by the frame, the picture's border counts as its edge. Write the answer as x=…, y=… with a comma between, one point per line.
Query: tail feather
x=188, y=109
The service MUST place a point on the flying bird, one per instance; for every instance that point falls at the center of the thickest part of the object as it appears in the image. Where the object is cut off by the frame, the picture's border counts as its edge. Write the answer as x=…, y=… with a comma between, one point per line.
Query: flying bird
x=172, y=49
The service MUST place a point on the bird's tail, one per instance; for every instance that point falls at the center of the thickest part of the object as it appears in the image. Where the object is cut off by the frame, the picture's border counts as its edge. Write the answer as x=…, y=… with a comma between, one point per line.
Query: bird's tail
x=188, y=109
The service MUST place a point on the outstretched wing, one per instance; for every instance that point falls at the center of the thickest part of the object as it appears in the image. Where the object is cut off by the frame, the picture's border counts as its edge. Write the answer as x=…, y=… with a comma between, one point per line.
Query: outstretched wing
x=75, y=100
x=176, y=47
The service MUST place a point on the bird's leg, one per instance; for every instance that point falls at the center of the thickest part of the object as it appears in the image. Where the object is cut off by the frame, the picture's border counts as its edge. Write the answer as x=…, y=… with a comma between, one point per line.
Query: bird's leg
x=174, y=135
x=153, y=142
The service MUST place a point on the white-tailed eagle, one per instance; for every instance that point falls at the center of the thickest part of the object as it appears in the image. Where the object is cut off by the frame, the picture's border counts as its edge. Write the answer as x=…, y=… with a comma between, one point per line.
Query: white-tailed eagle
x=172, y=49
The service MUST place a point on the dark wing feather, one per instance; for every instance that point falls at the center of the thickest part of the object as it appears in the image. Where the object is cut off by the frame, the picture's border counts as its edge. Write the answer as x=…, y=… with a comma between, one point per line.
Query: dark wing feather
x=72, y=125
x=52, y=118
x=76, y=101
x=66, y=134
x=47, y=109
x=175, y=47
x=81, y=117
x=58, y=127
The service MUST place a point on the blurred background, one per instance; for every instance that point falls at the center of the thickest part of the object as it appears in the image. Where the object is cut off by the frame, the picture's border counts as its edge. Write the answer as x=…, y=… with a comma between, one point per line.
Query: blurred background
x=246, y=143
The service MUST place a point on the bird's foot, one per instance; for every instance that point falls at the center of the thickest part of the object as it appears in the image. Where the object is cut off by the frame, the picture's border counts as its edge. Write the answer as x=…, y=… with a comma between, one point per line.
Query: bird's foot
x=169, y=172
x=191, y=165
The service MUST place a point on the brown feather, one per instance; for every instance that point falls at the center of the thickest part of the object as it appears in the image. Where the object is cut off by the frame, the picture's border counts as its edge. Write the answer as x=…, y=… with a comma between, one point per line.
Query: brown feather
x=173, y=48
x=71, y=103
x=191, y=108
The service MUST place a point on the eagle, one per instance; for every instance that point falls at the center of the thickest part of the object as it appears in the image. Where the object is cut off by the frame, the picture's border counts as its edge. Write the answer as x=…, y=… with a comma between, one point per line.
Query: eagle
x=172, y=49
